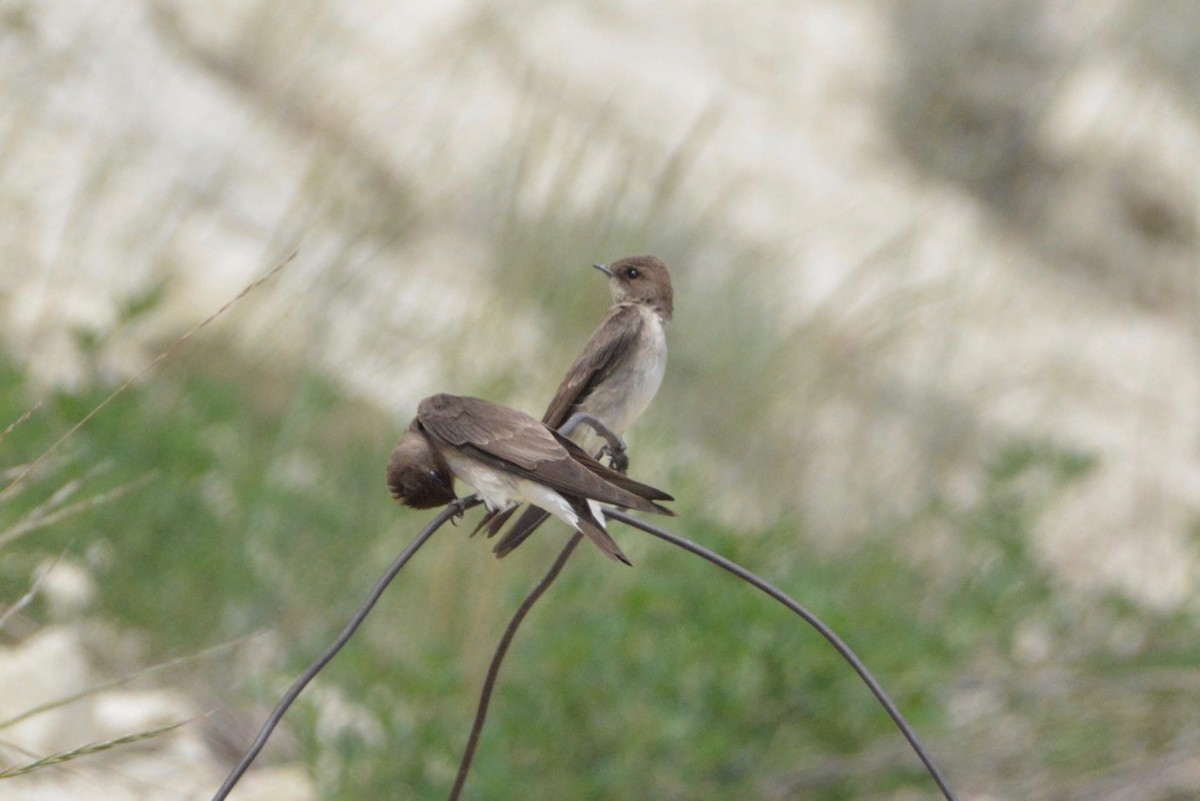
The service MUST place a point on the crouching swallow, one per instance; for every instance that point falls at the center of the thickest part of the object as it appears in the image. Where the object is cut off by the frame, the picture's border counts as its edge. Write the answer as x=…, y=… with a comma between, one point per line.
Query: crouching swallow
x=510, y=458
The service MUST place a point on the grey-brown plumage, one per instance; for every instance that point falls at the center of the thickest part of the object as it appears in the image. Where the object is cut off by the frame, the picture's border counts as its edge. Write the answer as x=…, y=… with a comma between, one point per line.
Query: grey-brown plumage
x=417, y=475
x=616, y=376
x=510, y=458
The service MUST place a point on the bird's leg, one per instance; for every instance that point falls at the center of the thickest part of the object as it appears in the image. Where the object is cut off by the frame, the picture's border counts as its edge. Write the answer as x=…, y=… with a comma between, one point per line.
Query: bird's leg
x=459, y=506
x=617, y=458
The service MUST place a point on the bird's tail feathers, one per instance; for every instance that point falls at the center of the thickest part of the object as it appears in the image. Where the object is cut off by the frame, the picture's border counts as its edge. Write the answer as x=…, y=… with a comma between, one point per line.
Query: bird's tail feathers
x=594, y=531
x=526, y=524
x=494, y=521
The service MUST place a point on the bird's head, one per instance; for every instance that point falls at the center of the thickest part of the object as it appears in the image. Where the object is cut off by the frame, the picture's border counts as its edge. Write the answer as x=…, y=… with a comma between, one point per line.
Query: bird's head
x=640, y=279
x=417, y=475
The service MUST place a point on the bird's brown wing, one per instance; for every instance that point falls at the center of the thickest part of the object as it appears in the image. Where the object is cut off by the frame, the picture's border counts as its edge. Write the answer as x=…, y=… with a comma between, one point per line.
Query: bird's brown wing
x=533, y=517
x=644, y=491
x=612, y=340
x=513, y=441
x=495, y=432
x=529, y=521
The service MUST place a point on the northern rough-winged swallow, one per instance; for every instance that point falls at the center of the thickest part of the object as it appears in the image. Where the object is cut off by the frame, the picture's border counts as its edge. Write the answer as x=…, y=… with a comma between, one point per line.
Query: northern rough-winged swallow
x=615, y=377
x=509, y=458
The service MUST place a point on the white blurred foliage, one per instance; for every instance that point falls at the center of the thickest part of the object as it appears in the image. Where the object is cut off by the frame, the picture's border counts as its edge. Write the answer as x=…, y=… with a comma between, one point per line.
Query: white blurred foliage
x=201, y=143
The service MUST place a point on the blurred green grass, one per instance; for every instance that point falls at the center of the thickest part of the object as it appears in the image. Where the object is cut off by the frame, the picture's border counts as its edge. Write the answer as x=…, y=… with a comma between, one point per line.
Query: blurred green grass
x=266, y=509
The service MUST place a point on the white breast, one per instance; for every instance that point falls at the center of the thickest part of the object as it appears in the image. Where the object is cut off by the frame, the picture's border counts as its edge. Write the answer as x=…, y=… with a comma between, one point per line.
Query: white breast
x=497, y=488
x=500, y=490
x=643, y=385
x=622, y=398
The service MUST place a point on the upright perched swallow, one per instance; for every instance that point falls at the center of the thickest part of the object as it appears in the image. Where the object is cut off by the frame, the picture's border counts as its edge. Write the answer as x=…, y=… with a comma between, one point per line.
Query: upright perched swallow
x=615, y=377
x=510, y=458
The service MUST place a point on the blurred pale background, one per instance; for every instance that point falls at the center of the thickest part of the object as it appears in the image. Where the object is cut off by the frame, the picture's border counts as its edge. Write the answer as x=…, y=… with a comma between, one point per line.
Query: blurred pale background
x=935, y=370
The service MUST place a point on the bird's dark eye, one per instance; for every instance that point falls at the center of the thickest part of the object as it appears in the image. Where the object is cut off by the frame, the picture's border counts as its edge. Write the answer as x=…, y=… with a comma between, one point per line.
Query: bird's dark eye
x=632, y=273
x=435, y=475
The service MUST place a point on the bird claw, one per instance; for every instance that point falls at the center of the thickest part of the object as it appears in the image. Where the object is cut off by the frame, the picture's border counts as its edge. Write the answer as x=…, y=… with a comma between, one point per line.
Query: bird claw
x=458, y=508
x=618, y=459
x=616, y=446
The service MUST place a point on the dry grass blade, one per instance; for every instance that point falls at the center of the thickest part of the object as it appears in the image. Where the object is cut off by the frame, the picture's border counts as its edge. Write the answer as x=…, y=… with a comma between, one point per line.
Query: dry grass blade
x=89, y=749
x=24, y=600
x=159, y=359
x=108, y=685
x=42, y=516
x=48, y=467
x=20, y=420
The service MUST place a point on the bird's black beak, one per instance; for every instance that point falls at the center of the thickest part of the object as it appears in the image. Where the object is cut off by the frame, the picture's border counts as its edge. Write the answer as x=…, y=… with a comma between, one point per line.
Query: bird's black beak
x=604, y=269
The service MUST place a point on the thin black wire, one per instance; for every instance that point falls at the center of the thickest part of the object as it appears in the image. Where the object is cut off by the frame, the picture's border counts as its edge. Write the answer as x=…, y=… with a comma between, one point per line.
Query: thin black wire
x=451, y=511
x=841, y=647
x=489, y=683
x=457, y=509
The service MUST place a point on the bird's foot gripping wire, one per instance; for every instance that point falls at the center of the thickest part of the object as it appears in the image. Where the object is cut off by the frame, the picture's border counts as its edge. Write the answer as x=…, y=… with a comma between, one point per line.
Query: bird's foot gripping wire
x=615, y=449
x=459, y=506
x=617, y=459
